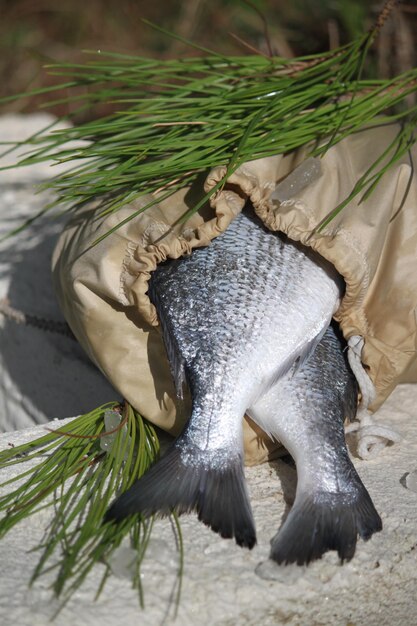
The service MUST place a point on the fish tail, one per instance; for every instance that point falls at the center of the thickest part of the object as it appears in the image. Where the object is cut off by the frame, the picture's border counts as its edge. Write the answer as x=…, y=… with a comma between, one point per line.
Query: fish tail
x=325, y=521
x=174, y=483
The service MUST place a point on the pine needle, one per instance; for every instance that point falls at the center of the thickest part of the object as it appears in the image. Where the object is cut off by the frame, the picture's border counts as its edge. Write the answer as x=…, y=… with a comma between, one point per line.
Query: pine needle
x=81, y=468
x=176, y=119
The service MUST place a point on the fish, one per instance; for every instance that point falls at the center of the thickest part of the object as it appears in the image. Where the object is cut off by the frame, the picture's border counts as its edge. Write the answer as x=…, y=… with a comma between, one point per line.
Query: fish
x=237, y=317
x=306, y=410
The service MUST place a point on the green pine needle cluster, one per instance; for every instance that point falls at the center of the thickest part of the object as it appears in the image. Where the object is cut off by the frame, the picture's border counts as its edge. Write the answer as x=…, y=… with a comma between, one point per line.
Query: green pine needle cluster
x=81, y=469
x=176, y=119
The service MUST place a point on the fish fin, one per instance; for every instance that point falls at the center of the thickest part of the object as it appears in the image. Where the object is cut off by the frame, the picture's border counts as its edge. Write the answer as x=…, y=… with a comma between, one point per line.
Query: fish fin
x=351, y=399
x=350, y=395
x=218, y=495
x=325, y=521
x=295, y=362
x=176, y=361
x=310, y=348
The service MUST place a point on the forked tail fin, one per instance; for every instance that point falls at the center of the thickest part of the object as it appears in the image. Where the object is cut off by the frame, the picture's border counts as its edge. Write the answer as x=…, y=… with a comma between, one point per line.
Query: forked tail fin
x=325, y=521
x=217, y=492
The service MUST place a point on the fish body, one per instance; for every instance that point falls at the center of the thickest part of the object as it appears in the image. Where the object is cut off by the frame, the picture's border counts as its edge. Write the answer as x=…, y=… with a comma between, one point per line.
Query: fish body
x=305, y=410
x=236, y=317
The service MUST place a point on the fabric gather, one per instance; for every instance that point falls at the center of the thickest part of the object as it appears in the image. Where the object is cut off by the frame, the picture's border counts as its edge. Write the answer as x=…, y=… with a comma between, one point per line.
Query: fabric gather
x=103, y=288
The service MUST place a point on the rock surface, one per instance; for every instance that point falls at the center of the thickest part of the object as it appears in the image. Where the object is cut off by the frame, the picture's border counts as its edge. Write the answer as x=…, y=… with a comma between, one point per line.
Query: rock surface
x=43, y=376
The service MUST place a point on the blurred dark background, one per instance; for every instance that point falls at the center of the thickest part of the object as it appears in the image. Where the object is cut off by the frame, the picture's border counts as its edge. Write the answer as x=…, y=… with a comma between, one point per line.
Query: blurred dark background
x=37, y=32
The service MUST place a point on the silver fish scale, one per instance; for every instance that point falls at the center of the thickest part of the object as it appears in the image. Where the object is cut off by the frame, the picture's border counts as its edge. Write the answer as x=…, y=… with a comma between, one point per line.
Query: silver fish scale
x=306, y=411
x=235, y=316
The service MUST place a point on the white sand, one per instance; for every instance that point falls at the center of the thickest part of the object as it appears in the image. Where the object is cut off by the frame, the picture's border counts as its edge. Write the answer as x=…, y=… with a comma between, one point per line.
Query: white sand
x=226, y=585
x=43, y=376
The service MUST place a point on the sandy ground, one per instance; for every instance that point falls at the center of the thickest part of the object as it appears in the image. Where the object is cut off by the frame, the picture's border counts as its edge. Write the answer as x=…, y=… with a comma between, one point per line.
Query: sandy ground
x=44, y=376
x=226, y=585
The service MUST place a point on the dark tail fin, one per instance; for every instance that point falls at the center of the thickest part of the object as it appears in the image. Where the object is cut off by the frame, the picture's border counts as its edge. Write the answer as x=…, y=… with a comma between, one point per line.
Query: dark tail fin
x=218, y=494
x=325, y=521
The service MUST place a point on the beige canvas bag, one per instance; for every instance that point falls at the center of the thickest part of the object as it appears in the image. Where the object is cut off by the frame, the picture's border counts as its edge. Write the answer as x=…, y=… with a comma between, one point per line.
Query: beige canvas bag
x=103, y=288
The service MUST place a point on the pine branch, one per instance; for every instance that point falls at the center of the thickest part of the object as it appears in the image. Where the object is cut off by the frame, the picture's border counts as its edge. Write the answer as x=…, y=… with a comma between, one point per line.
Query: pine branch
x=178, y=118
x=81, y=469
